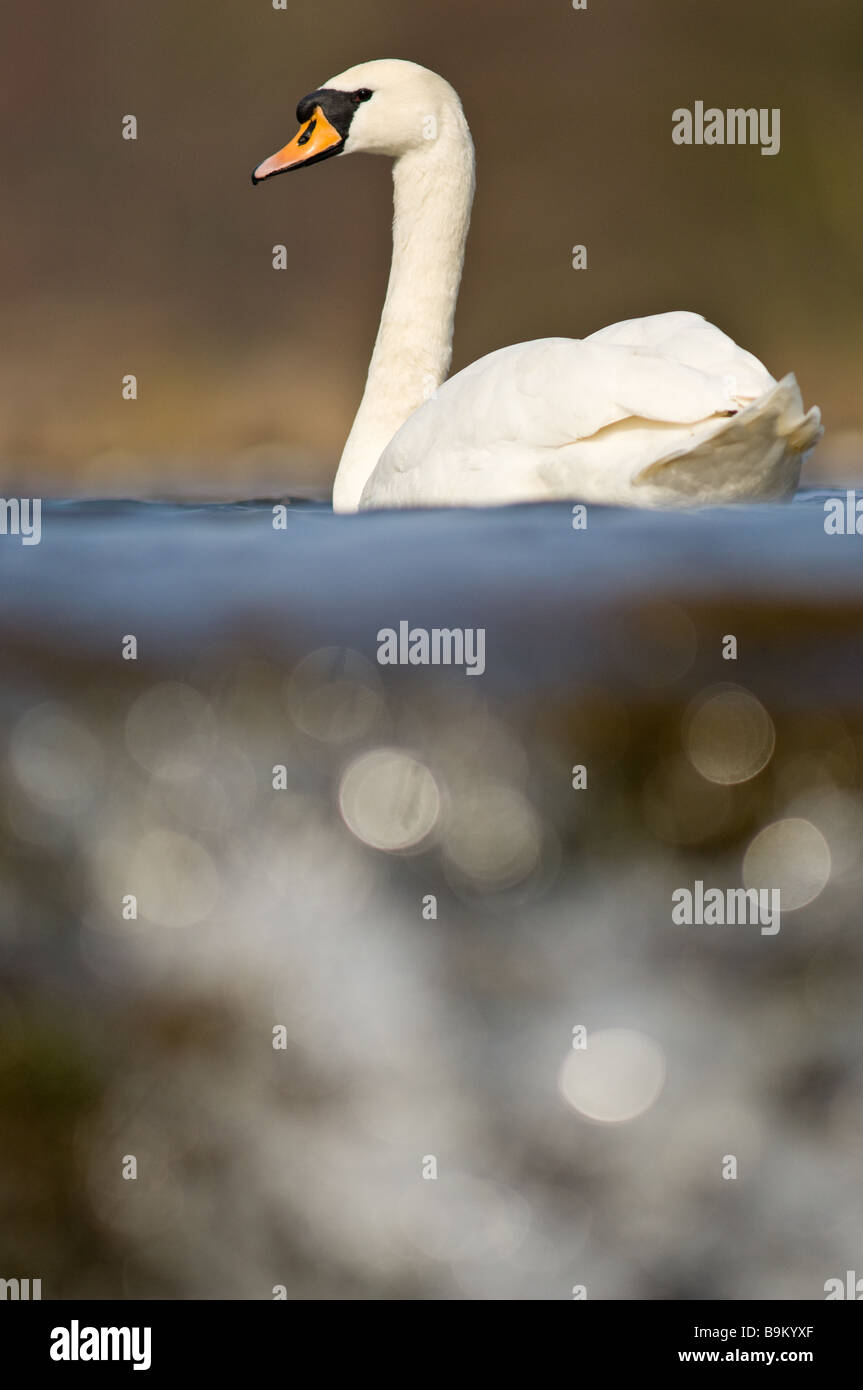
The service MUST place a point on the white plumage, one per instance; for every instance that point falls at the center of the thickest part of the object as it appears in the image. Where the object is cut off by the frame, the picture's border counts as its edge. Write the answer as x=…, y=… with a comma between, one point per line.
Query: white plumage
x=657, y=411
x=621, y=417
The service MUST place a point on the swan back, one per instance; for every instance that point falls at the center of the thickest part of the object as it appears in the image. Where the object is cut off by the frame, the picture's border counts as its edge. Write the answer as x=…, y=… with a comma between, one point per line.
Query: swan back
x=593, y=418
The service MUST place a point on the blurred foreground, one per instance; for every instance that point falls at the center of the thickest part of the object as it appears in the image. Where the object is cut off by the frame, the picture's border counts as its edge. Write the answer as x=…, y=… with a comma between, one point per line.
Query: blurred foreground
x=306, y=906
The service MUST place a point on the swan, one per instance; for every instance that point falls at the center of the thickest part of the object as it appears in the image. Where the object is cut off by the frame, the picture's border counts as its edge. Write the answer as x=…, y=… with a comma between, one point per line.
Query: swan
x=651, y=412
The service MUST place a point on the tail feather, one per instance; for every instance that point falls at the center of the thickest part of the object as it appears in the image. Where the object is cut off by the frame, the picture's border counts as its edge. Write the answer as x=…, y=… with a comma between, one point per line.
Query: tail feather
x=758, y=453
x=806, y=433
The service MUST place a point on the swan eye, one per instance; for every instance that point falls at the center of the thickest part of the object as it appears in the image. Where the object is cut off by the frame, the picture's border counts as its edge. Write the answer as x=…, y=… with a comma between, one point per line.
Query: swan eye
x=362, y=95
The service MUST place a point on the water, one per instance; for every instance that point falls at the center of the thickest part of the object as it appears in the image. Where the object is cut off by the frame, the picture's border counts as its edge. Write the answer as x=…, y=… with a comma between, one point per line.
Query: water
x=189, y=575
x=243, y=830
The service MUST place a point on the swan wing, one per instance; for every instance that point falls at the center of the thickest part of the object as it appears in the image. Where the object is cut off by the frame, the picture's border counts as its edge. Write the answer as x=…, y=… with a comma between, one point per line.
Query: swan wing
x=688, y=338
x=504, y=428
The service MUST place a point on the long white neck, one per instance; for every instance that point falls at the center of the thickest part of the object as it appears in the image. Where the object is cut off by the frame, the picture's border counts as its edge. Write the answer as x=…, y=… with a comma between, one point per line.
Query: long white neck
x=432, y=196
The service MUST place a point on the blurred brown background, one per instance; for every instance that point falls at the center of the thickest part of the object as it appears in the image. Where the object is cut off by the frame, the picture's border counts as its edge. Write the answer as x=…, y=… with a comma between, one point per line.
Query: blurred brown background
x=154, y=257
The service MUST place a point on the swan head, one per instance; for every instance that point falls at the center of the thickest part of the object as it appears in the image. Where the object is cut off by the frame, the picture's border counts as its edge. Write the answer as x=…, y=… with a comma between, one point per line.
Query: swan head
x=388, y=107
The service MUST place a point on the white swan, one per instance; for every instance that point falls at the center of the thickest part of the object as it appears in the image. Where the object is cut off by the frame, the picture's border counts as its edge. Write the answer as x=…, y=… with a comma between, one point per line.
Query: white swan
x=657, y=411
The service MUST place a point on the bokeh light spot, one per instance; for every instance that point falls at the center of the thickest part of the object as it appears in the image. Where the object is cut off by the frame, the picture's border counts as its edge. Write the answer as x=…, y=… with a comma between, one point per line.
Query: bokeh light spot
x=728, y=735
x=791, y=855
x=389, y=799
x=615, y=1078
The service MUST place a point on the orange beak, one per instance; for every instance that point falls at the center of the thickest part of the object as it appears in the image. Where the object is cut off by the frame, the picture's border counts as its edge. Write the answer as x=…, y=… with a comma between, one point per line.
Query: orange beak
x=314, y=140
